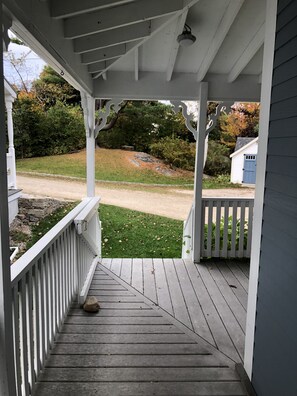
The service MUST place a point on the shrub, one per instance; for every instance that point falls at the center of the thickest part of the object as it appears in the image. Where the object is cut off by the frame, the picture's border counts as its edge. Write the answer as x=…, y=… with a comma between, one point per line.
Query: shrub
x=229, y=233
x=218, y=161
x=176, y=152
x=65, y=129
x=59, y=130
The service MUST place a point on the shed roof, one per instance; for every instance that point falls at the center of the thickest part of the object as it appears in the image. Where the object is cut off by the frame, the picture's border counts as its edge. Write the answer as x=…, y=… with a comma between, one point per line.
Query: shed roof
x=243, y=144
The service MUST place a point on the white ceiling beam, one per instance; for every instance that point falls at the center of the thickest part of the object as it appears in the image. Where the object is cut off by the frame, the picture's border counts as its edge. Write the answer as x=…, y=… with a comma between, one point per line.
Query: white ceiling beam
x=153, y=86
x=96, y=67
x=221, y=32
x=248, y=54
x=187, y=5
x=103, y=54
x=181, y=20
x=142, y=10
x=68, y=8
x=260, y=78
x=136, y=63
x=107, y=39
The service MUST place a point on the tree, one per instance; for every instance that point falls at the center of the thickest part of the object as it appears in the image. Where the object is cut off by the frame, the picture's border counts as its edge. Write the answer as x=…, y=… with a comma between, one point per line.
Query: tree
x=29, y=122
x=51, y=88
x=142, y=123
x=47, y=118
x=18, y=65
x=218, y=161
x=242, y=121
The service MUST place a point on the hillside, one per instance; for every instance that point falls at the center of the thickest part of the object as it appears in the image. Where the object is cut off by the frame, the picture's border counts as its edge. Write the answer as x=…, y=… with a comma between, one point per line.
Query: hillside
x=111, y=165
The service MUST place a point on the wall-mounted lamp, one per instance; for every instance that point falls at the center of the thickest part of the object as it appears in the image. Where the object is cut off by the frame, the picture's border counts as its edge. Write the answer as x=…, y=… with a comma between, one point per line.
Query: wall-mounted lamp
x=186, y=38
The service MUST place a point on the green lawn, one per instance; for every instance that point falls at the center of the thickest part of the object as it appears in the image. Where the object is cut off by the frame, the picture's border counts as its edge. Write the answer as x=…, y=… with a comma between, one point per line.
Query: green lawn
x=125, y=233
x=128, y=233
x=114, y=165
x=111, y=165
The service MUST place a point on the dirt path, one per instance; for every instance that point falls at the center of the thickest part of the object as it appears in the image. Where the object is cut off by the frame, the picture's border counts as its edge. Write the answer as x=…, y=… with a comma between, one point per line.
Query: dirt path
x=168, y=201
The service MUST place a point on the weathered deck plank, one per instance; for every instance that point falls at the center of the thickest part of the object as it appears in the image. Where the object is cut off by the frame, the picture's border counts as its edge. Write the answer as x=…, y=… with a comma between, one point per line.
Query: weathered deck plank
x=232, y=326
x=149, y=282
x=132, y=361
x=227, y=292
x=137, y=274
x=177, y=299
x=199, y=302
x=214, y=320
x=198, y=320
x=141, y=389
x=163, y=294
x=133, y=347
x=126, y=271
x=233, y=283
x=135, y=374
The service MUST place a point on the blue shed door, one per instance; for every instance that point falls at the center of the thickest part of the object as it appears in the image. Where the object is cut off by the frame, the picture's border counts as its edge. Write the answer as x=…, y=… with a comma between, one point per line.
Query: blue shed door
x=249, y=168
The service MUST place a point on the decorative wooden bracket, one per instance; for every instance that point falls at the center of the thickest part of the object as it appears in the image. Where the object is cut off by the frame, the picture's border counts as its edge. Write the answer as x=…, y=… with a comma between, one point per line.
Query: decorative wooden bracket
x=213, y=118
x=188, y=117
x=105, y=113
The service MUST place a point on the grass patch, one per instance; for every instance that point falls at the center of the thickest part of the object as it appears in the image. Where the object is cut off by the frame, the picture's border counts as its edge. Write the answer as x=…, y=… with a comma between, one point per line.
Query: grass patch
x=222, y=181
x=111, y=165
x=40, y=229
x=127, y=233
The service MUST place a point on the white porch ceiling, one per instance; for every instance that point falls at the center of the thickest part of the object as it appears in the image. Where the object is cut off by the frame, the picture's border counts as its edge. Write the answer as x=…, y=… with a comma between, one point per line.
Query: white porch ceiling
x=128, y=48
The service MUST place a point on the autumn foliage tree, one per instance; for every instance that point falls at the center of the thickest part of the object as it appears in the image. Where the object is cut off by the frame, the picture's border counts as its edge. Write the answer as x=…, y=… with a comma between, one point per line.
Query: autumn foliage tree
x=242, y=121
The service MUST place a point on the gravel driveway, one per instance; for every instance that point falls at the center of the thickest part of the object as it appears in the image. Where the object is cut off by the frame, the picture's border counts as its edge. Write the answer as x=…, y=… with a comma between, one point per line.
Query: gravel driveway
x=168, y=201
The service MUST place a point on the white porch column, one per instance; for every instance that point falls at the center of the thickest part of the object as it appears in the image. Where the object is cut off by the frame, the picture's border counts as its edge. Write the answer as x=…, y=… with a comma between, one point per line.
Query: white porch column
x=88, y=105
x=11, y=150
x=199, y=164
x=7, y=377
x=267, y=71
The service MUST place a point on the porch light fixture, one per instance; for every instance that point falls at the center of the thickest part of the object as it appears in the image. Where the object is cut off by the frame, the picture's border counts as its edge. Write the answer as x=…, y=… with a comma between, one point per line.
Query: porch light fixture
x=186, y=38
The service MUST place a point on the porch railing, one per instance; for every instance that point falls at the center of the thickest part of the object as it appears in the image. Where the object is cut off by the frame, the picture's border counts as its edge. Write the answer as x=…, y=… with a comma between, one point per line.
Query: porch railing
x=188, y=235
x=11, y=179
x=45, y=281
x=226, y=229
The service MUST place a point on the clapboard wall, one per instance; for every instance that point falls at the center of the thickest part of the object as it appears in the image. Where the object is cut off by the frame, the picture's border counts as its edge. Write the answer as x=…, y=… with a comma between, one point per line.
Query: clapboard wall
x=275, y=352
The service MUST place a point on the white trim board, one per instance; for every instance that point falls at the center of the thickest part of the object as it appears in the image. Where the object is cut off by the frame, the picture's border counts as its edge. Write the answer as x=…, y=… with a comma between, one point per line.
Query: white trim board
x=271, y=12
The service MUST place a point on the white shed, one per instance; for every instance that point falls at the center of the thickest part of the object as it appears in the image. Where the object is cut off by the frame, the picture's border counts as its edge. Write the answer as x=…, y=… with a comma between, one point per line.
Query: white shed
x=244, y=161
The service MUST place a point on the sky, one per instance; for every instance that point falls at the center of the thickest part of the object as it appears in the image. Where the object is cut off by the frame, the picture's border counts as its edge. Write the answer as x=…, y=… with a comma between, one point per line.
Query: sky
x=29, y=69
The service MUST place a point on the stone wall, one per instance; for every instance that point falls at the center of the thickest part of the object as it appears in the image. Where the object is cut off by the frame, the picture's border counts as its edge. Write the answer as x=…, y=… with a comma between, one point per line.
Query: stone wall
x=31, y=211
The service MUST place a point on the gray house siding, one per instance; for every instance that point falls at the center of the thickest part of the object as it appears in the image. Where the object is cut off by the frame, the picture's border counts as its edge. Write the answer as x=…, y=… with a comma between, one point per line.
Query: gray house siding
x=275, y=362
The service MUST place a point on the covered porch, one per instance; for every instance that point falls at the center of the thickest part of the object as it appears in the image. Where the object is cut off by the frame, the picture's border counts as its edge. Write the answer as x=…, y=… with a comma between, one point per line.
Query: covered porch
x=165, y=326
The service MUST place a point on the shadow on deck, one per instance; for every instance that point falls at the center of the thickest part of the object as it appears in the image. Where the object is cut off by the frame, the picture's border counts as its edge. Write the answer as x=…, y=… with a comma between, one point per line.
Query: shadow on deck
x=165, y=327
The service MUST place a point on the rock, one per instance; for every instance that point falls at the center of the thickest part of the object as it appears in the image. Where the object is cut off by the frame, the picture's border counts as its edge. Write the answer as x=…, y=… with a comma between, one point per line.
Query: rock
x=91, y=304
x=129, y=148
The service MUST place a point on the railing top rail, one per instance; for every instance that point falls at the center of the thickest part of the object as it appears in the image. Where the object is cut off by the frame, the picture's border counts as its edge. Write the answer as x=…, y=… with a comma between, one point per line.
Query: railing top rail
x=227, y=199
x=87, y=213
x=189, y=216
x=24, y=263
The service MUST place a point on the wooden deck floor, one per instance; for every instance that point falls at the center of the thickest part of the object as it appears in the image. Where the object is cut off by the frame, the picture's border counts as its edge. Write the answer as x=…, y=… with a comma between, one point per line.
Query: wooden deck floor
x=210, y=299
x=165, y=327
